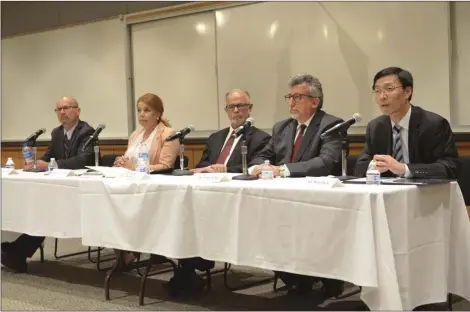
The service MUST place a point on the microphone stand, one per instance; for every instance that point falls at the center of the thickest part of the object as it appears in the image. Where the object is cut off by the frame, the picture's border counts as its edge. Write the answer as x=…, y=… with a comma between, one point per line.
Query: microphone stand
x=244, y=176
x=344, y=156
x=182, y=171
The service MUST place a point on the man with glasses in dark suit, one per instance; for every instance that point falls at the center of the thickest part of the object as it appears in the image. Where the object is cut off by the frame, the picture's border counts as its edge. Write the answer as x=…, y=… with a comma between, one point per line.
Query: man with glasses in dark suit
x=222, y=153
x=66, y=147
x=296, y=150
x=406, y=141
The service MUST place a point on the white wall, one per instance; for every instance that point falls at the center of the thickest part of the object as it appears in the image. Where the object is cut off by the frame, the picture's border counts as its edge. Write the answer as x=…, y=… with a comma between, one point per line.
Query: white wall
x=85, y=61
x=191, y=61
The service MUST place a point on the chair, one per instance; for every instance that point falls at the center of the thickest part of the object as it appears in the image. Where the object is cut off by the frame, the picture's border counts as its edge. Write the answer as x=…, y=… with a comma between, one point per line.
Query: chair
x=464, y=179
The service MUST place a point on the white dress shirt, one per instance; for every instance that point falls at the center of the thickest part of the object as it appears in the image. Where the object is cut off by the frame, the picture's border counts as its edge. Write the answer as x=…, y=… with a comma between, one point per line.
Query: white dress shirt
x=69, y=132
x=285, y=170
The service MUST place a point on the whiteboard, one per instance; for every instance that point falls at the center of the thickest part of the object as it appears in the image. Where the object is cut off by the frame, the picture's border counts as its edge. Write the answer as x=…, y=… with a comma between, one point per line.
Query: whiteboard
x=175, y=58
x=260, y=46
x=86, y=62
x=461, y=64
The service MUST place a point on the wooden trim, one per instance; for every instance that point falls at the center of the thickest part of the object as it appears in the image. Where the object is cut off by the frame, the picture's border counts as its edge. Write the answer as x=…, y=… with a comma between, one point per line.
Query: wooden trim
x=177, y=10
x=120, y=17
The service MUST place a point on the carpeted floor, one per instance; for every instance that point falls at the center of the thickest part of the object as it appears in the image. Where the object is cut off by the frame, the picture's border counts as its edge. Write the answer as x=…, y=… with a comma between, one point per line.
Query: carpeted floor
x=75, y=284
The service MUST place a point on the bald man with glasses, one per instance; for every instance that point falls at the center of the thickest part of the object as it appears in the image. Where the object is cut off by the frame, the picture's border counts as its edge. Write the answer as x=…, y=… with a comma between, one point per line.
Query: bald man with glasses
x=66, y=145
x=222, y=153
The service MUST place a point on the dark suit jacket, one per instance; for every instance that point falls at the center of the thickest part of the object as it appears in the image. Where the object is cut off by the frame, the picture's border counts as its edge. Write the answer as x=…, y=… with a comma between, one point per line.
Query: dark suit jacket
x=77, y=159
x=255, y=138
x=315, y=157
x=432, y=150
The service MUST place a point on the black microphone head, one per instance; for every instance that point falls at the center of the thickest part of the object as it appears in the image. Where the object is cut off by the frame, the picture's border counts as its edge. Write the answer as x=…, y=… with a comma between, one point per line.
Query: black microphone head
x=42, y=130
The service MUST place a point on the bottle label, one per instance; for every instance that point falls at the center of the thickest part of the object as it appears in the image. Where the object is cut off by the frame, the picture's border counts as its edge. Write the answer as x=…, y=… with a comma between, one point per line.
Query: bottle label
x=373, y=177
x=144, y=156
x=267, y=174
x=27, y=154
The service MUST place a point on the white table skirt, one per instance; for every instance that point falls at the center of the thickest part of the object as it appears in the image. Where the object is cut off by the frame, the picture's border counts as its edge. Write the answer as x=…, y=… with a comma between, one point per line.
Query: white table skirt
x=401, y=243
x=40, y=205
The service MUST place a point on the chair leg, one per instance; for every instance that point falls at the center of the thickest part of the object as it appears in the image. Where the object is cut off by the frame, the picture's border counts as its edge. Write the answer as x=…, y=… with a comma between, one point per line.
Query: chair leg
x=276, y=278
x=152, y=260
x=143, y=280
x=449, y=302
x=209, y=279
x=41, y=251
x=117, y=264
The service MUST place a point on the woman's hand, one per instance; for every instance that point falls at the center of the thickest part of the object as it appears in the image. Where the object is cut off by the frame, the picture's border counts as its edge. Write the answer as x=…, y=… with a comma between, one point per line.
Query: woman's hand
x=128, y=164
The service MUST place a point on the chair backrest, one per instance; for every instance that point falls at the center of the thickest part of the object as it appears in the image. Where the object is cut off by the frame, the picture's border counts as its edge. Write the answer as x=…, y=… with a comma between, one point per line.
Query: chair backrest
x=464, y=179
x=351, y=164
x=108, y=160
x=177, y=162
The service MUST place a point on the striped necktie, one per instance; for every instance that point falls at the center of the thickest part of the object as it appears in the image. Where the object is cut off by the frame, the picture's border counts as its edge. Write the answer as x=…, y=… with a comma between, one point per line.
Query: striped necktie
x=397, y=144
x=66, y=146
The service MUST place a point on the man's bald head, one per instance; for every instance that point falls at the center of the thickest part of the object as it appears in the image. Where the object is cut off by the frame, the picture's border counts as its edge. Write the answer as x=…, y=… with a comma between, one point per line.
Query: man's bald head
x=238, y=93
x=238, y=107
x=68, y=111
x=68, y=99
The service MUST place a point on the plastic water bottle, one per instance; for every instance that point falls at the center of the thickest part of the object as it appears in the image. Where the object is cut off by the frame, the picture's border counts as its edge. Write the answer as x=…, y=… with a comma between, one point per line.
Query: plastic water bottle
x=143, y=159
x=52, y=165
x=372, y=174
x=10, y=164
x=267, y=172
x=28, y=155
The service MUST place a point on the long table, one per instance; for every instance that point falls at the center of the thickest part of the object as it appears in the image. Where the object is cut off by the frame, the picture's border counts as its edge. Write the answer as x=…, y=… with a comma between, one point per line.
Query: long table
x=405, y=245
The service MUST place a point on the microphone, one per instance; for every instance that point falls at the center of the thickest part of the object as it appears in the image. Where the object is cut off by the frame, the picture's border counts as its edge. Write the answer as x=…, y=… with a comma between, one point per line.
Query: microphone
x=94, y=136
x=180, y=134
x=35, y=135
x=241, y=130
x=342, y=126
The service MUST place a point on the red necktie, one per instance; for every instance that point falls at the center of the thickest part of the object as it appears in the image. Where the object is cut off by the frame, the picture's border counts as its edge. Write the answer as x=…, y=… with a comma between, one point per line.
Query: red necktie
x=298, y=141
x=226, y=150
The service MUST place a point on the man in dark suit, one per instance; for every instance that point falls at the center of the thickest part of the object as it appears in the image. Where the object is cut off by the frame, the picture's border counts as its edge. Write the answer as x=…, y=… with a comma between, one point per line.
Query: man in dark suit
x=222, y=153
x=66, y=147
x=407, y=141
x=296, y=150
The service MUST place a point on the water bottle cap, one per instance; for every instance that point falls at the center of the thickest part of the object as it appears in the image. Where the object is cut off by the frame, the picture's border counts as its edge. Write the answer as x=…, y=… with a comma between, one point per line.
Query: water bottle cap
x=52, y=159
x=266, y=162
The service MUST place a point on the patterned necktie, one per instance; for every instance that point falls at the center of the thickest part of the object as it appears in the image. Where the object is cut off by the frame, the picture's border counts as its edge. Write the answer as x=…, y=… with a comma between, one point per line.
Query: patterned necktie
x=298, y=141
x=397, y=147
x=66, y=146
x=226, y=150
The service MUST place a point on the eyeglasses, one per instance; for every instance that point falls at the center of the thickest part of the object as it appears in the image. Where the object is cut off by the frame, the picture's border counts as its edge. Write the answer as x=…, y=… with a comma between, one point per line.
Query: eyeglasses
x=296, y=97
x=385, y=90
x=232, y=107
x=64, y=108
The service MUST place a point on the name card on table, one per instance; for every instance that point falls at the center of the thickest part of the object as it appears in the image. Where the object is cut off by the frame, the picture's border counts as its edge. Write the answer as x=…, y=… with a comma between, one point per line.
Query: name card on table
x=61, y=173
x=328, y=182
x=213, y=177
x=8, y=171
x=119, y=172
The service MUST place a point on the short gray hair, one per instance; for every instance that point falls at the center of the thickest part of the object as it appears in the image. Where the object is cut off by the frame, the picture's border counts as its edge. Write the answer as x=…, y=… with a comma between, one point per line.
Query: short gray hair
x=314, y=85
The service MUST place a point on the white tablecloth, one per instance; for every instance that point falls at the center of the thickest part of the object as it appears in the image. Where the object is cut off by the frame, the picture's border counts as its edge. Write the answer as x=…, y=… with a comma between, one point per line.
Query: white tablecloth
x=40, y=205
x=402, y=243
